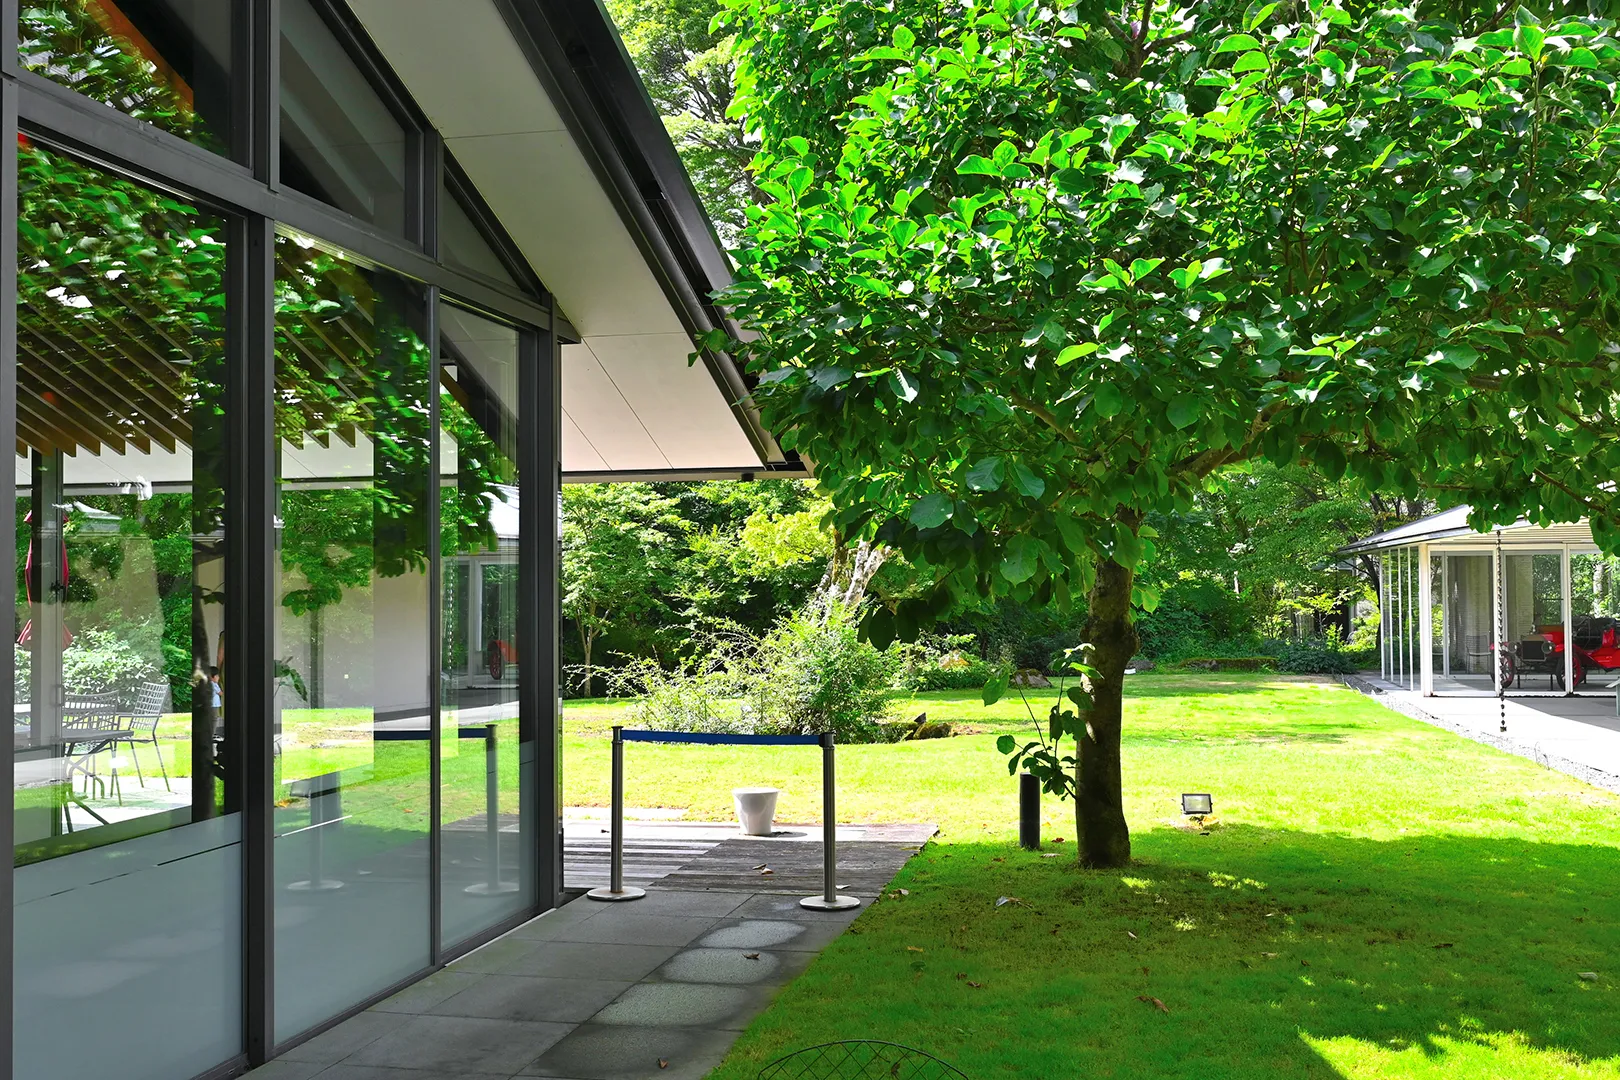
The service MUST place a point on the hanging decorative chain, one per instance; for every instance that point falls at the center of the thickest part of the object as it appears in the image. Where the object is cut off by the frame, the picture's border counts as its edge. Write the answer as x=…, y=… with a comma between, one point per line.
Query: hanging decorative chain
x=1501, y=643
x=860, y=1059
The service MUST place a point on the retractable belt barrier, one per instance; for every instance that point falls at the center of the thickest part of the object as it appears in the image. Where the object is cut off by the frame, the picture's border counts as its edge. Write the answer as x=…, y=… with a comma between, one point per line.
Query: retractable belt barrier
x=828, y=900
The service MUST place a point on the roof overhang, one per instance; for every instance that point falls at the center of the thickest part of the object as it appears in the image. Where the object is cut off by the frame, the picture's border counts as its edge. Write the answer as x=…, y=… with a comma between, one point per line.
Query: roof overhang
x=1449, y=529
x=542, y=107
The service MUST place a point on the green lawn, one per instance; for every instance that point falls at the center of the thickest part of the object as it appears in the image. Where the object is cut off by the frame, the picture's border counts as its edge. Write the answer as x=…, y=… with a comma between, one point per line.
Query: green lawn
x=1376, y=899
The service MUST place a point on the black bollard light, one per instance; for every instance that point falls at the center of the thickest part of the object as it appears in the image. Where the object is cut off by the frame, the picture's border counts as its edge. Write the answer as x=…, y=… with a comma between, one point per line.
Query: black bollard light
x=1029, y=812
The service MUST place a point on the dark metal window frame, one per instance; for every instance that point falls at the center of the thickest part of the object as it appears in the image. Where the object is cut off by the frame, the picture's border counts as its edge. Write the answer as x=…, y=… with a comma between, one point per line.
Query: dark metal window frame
x=251, y=194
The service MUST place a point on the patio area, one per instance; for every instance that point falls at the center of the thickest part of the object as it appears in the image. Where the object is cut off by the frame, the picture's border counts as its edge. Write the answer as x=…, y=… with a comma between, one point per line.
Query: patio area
x=1578, y=735
x=659, y=987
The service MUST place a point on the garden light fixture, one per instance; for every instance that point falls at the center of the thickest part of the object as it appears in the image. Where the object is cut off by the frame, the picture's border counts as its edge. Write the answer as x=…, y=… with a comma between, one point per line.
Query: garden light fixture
x=1197, y=806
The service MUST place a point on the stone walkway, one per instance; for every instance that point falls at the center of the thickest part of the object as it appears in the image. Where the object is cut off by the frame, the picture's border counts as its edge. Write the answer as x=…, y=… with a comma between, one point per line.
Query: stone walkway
x=655, y=988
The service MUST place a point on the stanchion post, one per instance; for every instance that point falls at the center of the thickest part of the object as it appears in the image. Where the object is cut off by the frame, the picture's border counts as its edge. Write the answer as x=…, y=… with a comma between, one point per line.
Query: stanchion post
x=493, y=886
x=829, y=900
x=616, y=889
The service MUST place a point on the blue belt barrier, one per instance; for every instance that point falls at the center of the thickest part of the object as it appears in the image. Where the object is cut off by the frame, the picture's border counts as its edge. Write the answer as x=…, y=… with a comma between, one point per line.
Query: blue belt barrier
x=715, y=737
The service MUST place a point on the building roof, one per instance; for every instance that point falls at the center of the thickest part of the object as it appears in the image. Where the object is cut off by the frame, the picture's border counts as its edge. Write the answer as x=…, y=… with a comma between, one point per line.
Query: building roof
x=541, y=106
x=1452, y=525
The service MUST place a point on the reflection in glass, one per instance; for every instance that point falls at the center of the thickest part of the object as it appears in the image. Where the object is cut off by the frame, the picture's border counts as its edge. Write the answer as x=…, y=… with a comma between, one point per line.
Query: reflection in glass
x=1533, y=620
x=1467, y=638
x=1595, y=610
x=167, y=62
x=339, y=141
x=353, y=378
x=483, y=829
x=127, y=906
x=462, y=244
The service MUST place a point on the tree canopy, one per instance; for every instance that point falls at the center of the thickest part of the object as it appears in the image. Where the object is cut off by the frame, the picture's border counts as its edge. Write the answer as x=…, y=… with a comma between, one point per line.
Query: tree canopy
x=1030, y=275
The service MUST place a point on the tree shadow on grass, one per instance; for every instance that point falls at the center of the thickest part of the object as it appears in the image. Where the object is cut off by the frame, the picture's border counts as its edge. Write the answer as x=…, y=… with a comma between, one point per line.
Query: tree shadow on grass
x=1274, y=953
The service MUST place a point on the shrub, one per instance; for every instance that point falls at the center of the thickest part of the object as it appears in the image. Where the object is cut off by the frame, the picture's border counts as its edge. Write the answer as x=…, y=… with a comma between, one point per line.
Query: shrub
x=701, y=700
x=941, y=663
x=1229, y=663
x=105, y=662
x=22, y=666
x=813, y=674
x=1321, y=656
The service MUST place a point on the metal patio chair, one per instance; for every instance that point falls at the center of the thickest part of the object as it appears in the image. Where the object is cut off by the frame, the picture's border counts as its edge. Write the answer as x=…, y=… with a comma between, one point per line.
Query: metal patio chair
x=143, y=717
x=860, y=1059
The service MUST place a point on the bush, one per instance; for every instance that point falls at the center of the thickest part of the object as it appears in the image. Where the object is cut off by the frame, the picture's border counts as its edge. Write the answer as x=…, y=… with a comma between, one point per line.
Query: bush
x=813, y=674
x=941, y=663
x=1229, y=663
x=1321, y=656
x=105, y=662
x=22, y=667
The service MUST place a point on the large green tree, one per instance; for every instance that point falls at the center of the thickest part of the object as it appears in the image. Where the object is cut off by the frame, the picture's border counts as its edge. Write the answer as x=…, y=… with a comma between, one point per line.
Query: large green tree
x=1032, y=273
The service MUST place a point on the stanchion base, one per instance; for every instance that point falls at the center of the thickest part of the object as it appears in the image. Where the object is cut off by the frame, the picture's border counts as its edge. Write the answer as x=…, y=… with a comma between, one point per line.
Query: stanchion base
x=837, y=903
x=629, y=892
x=323, y=885
x=484, y=888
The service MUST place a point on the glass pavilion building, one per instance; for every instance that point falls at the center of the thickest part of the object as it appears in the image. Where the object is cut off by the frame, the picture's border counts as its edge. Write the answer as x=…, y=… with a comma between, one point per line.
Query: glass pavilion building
x=306, y=309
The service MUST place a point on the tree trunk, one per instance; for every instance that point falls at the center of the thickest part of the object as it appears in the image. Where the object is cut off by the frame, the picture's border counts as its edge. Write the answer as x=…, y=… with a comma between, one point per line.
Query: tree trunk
x=1099, y=805
x=587, y=639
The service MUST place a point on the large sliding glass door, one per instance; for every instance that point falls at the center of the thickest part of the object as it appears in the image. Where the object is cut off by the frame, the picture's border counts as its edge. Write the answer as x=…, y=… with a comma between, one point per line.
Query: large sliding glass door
x=128, y=900
x=353, y=426
x=483, y=755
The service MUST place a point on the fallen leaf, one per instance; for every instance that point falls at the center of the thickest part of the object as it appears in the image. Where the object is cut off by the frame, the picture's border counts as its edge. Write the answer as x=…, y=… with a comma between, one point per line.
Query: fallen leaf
x=663, y=1063
x=766, y=872
x=1304, y=963
x=1153, y=1001
x=961, y=975
x=1049, y=854
x=1057, y=839
x=998, y=858
x=1007, y=900
x=1444, y=945
x=976, y=986
x=903, y=892
x=1145, y=972
x=1587, y=976
x=1270, y=955
x=1132, y=933
x=912, y=948
x=750, y=956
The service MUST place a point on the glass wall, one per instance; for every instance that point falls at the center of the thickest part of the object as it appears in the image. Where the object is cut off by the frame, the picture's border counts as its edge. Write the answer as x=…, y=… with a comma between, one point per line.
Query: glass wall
x=128, y=863
x=482, y=826
x=1595, y=619
x=167, y=62
x=340, y=143
x=354, y=377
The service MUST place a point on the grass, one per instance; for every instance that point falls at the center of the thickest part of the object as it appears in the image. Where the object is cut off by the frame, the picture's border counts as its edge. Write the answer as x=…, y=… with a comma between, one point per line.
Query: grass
x=1377, y=899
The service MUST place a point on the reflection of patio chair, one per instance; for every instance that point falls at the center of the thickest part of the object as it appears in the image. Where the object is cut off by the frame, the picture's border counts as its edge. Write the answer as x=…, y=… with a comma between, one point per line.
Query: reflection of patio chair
x=92, y=714
x=860, y=1059
x=143, y=719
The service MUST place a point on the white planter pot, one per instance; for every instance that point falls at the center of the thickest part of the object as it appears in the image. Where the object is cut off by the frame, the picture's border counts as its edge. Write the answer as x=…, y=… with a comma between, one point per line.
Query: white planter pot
x=756, y=809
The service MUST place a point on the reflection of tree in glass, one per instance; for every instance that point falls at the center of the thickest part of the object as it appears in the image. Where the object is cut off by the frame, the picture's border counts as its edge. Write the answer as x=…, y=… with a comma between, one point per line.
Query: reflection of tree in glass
x=83, y=45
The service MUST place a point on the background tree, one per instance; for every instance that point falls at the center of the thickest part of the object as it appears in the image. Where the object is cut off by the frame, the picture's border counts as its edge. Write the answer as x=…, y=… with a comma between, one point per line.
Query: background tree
x=1032, y=275
x=687, y=69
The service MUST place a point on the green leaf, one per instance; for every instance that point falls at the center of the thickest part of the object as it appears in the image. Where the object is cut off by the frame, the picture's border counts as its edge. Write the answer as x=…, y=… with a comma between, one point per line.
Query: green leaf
x=1141, y=268
x=1026, y=481
x=1127, y=548
x=1259, y=16
x=878, y=627
x=904, y=39
x=1019, y=563
x=986, y=474
x=1184, y=411
x=995, y=688
x=1530, y=40
x=1006, y=744
x=1329, y=459
x=1238, y=43
x=931, y=511
x=1109, y=401
x=1458, y=354
x=1075, y=352
x=1251, y=61
x=974, y=165
x=1378, y=216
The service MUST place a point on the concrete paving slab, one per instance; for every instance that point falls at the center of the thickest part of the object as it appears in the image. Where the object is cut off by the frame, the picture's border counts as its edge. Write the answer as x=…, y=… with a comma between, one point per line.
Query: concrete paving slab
x=671, y=1005
x=734, y=967
x=498, y=955
x=771, y=934
x=283, y=1069
x=610, y=1052
x=615, y=963
x=621, y=926
x=517, y=997
x=353, y=1034
x=471, y=1044
x=421, y=997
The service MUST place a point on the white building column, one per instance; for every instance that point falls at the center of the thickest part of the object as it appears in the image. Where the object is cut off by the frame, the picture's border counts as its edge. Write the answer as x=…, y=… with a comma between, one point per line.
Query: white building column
x=1568, y=590
x=1497, y=645
x=1425, y=621
x=1383, y=616
x=1445, y=615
